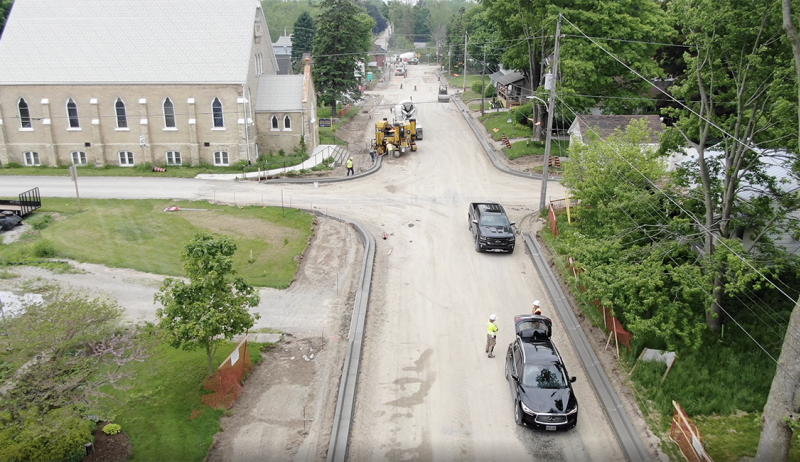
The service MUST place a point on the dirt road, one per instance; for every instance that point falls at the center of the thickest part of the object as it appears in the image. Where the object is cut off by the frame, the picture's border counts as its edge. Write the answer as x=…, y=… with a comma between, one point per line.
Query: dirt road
x=427, y=390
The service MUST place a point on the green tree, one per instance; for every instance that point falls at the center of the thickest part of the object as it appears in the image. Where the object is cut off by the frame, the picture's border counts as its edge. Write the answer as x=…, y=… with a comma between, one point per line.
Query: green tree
x=5, y=8
x=739, y=90
x=343, y=39
x=282, y=15
x=632, y=29
x=303, y=39
x=422, y=31
x=213, y=306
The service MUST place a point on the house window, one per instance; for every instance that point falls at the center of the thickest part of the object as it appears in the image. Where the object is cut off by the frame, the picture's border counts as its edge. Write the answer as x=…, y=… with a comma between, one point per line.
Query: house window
x=275, y=123
x=216, y=109
x=125, y=158
x=24, y=115
x=78, y=158
x=122, y=116
x=72, y=114
x=221, y=158
x=31, y=158
x=287, y=123
x=169, y=114
x=173, y=158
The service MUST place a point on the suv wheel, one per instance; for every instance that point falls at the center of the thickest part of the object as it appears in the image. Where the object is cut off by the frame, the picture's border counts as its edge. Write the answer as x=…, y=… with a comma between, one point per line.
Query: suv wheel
x=517, y=413
x=511, y=250
x=477, y=244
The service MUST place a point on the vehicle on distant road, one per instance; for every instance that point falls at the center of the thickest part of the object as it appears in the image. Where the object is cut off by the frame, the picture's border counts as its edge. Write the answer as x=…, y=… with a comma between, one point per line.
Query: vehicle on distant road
x=490, y=227
x=540, y=387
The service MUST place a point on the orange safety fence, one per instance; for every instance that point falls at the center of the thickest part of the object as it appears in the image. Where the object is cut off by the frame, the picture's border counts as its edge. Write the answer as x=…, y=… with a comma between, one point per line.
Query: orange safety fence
x=551, y=217
x=686, y=435
x=227, y=382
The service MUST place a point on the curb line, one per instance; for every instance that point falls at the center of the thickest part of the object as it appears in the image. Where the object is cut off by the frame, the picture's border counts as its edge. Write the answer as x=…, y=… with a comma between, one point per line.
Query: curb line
x=627, y=436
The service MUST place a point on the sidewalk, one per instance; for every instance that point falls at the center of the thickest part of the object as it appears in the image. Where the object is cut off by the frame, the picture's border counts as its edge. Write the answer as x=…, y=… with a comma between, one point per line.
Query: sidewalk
x=320, y=153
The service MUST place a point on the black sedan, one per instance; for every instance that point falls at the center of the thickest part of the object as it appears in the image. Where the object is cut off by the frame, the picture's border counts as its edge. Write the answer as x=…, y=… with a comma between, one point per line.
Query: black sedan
x=542, y=394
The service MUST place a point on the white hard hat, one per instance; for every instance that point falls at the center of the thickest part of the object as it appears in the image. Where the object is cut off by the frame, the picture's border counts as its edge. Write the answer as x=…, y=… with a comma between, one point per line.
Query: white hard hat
x=536, y=303
x=492, y=317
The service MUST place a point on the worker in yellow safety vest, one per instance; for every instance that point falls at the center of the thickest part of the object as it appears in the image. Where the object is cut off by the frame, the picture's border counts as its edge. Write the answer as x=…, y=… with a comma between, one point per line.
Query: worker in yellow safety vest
x=491, y=335
x=350, y=167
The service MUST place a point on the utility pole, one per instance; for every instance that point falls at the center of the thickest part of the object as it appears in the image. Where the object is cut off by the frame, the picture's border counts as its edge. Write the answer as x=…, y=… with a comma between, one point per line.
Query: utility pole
x=449, y=58
x=465, y=63
x=483, y=73
x=550, y=110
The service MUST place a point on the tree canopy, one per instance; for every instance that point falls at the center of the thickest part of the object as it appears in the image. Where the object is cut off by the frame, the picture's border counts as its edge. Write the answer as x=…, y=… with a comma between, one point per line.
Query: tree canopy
x=343, y=39
x=213, y=306
x=303, y=39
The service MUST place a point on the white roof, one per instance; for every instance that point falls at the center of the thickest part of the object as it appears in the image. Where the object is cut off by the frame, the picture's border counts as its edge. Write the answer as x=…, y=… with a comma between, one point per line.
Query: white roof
x=280, y=93
x=140, y=41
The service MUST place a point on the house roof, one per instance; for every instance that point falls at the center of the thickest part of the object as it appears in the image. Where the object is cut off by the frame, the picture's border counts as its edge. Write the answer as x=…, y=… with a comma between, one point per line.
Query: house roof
x=283, y=41
x=145, y=41
x=377, y=49
x=605, y=125
x=280, y=93
x=505, y=79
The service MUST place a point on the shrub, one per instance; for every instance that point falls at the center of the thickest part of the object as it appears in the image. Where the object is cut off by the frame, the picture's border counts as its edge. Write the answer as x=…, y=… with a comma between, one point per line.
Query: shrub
x=44, y=249
x=57, y=435
x=112, y=429
x=522, y=113
x=491, y=91
x=281, y=153
x=41, y=221
x=478, y=87
x=13, y=165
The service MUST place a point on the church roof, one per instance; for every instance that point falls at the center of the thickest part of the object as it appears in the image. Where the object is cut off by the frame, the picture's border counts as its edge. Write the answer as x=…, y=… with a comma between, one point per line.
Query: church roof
x=137, y=42
x=280, y=93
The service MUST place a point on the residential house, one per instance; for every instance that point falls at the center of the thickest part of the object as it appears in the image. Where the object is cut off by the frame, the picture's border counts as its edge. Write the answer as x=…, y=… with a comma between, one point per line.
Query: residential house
x=512, y=87
x=605, y=125
x=167, y=82
x=378, y=56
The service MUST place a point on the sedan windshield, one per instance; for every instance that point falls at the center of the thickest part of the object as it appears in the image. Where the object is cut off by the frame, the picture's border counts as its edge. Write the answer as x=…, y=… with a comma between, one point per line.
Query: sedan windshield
x=543, y=376
x=494, y=220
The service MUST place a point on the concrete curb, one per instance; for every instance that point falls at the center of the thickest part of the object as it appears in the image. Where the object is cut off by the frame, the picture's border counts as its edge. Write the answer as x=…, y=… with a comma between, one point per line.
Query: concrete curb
x=626, y=433
x=346, y=399
x=375, y=167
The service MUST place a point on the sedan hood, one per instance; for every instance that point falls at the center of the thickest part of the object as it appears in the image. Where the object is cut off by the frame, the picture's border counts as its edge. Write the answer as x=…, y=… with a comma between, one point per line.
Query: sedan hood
x=552, y=401
x=496, y=231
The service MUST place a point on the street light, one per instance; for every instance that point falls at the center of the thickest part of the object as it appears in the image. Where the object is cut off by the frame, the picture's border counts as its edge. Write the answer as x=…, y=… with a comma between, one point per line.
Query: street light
x=533, y=129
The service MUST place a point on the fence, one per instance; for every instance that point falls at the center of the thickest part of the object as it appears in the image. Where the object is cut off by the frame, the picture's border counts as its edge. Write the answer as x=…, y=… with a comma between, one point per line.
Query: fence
x=686, y=435
x=227, y=382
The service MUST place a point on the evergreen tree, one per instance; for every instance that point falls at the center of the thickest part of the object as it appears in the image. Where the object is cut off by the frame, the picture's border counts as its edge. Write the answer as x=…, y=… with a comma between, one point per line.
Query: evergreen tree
x=344, y=38
x=302, y=39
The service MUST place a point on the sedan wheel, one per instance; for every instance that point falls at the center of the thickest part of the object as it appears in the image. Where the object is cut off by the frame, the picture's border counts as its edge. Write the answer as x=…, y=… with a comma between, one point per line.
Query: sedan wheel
x=517, y=413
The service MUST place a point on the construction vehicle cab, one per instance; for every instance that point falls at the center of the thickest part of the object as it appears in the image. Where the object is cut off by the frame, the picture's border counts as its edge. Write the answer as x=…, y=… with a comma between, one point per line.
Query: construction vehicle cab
x=443, y=96
x=398, y=134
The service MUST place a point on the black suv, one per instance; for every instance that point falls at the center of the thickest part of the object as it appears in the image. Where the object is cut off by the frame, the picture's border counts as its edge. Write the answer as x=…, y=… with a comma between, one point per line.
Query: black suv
x=543, y=396
x=490, y=227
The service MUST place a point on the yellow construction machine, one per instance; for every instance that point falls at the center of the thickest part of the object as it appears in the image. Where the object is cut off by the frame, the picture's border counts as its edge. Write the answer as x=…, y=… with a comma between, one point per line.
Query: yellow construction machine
x=398, y=134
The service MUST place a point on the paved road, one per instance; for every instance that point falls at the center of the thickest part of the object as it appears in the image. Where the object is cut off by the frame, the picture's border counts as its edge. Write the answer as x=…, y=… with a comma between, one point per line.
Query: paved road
x=427, y=390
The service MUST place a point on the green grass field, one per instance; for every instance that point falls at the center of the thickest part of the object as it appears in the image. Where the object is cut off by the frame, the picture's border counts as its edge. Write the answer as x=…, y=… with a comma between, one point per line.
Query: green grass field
x=157, y=412
x=499, y=120
x=532, y=148
x=138, y=234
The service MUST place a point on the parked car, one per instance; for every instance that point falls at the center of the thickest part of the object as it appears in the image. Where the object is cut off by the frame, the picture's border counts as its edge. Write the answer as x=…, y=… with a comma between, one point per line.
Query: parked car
x=542, y=393
x=491, y=229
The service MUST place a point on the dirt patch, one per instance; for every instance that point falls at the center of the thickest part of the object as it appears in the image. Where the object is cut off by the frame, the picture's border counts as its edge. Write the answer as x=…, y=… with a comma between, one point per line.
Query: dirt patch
x=109, y=448
x=616, y=373
x=274, y=417
x=239, y=226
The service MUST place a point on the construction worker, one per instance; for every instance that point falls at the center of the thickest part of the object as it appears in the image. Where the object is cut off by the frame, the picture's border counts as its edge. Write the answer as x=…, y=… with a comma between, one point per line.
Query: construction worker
x=536, y=309
x=350, y=166
x=491, y=335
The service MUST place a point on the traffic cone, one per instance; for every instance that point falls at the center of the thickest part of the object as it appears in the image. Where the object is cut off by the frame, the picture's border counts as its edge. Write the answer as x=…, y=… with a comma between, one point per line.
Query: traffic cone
x=384, y=236
x=415, y=88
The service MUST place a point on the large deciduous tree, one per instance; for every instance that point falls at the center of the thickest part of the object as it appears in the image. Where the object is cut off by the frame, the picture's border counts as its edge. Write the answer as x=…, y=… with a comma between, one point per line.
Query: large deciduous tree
x=783, y=402
x=343, y=39
x=302, y=39
x=739, y=91
x=628, y=30
x=213, y=306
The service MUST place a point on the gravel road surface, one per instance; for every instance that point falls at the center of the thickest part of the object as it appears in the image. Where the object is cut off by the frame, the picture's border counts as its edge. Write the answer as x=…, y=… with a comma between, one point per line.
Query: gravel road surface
x=427, y=391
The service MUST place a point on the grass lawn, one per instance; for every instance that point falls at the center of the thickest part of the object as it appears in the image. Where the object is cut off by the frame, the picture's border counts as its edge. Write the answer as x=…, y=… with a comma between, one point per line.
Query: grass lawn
x=732, y=438
x=327, y=135
x=157, y=413
x=558, y=148
x=138, y=234
x=499, y=120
